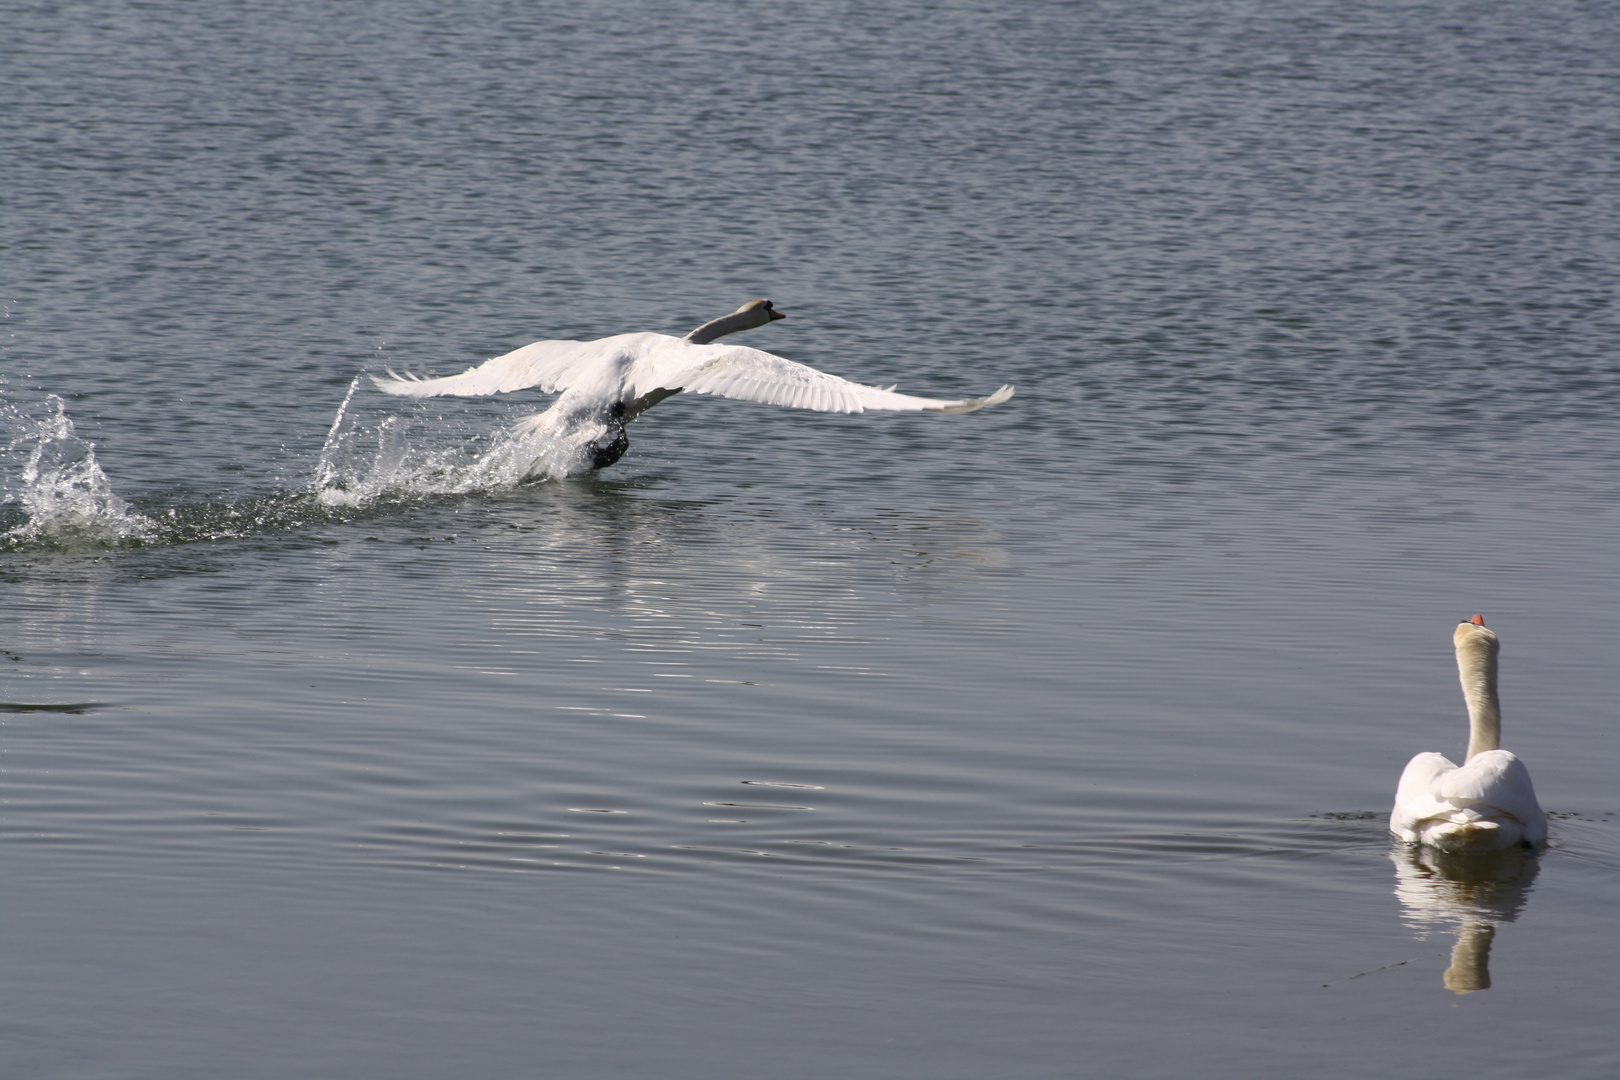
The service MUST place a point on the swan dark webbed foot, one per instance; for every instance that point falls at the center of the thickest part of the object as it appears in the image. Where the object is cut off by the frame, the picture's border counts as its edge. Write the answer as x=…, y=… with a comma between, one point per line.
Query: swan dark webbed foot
x=605, y=452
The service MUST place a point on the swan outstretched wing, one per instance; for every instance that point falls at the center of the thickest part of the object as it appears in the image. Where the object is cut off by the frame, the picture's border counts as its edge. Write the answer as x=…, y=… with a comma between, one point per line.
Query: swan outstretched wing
x=660, y=365
x=736, y=371
x=550, y=365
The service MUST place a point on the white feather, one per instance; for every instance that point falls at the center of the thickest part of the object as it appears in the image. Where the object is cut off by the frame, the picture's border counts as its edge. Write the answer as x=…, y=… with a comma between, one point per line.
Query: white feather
x=1486, y=804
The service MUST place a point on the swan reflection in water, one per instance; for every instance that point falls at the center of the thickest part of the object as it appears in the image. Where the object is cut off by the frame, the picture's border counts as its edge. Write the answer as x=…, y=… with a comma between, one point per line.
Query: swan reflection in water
x=1470, y=895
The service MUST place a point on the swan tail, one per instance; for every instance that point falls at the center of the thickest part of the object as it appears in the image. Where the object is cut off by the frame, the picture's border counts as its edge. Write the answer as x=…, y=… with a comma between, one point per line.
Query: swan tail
x=1480, y=834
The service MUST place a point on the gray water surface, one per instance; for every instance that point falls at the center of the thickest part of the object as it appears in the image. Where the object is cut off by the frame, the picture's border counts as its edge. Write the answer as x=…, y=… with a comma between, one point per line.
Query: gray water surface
x=1056, y=739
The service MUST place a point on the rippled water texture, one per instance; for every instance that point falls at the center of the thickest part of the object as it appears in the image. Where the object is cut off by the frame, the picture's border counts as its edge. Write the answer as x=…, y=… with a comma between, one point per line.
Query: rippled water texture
x=1056, y=739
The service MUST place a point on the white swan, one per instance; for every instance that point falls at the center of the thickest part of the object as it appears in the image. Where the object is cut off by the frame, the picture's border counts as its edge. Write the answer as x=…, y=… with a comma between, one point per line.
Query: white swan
x=1486, y=804
x=608, y=382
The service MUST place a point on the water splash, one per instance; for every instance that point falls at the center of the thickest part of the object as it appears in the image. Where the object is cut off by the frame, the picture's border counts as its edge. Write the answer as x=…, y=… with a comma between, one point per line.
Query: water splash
x=327, y=473
x=373, y=454
x=67, y=502
x=56, y=496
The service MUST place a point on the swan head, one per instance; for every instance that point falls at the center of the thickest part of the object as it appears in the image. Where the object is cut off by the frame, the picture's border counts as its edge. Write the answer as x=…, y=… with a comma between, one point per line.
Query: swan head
x=1471, y=638
x=752, y=314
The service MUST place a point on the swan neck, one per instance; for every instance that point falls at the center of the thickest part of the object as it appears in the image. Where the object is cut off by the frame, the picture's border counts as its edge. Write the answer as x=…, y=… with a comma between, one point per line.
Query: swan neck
x=716, y=328
x=1470, y=968
x=1476, y=666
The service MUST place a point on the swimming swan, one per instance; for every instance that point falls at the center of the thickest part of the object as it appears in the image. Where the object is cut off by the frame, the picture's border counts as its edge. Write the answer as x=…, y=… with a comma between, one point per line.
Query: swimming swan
x=609, y=382
x=1487, y=804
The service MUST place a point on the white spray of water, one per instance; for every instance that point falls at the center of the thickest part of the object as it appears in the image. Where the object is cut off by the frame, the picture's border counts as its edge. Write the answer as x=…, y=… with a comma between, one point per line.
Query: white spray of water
x=371, y=457
x=328, y=476
x=66, y=500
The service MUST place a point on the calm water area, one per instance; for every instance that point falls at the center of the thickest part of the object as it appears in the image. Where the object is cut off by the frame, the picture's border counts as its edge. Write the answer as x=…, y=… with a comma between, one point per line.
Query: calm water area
x=1052, y=740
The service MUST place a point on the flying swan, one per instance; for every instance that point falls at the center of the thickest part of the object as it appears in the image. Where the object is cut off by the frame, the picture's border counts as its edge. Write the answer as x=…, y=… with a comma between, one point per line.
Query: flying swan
x=609, y=382
x=1488, y=803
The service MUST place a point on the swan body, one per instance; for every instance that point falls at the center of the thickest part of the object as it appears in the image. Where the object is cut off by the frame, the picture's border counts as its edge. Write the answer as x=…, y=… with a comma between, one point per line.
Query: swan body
x=1488, y=802
x=607, y=383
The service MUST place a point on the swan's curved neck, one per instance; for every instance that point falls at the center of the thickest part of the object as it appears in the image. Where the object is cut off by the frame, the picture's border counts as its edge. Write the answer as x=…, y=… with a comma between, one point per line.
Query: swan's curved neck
x=1476, y=666
x=1470, y=968
x=725, y=324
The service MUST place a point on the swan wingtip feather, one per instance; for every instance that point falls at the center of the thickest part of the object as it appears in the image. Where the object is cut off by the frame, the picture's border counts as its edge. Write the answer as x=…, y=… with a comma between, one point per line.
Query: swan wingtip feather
x=973, y=404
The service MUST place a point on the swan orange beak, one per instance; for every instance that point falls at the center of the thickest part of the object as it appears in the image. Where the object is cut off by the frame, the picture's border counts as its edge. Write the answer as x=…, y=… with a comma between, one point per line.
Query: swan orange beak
x=777, y=314
x=1478, y=620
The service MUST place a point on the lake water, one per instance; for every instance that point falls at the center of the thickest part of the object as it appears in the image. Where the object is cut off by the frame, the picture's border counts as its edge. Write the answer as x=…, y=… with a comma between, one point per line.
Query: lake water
x=1053, y=740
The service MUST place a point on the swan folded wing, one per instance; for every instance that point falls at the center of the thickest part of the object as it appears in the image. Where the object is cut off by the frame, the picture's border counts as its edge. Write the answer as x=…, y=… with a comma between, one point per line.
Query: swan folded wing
x=550, y=365
x=1416, y=800
x=1496, y=781
x=752, y=375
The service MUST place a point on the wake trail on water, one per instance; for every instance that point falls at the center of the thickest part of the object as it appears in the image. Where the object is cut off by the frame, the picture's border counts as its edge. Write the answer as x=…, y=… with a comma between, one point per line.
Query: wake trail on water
x=58, y=498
